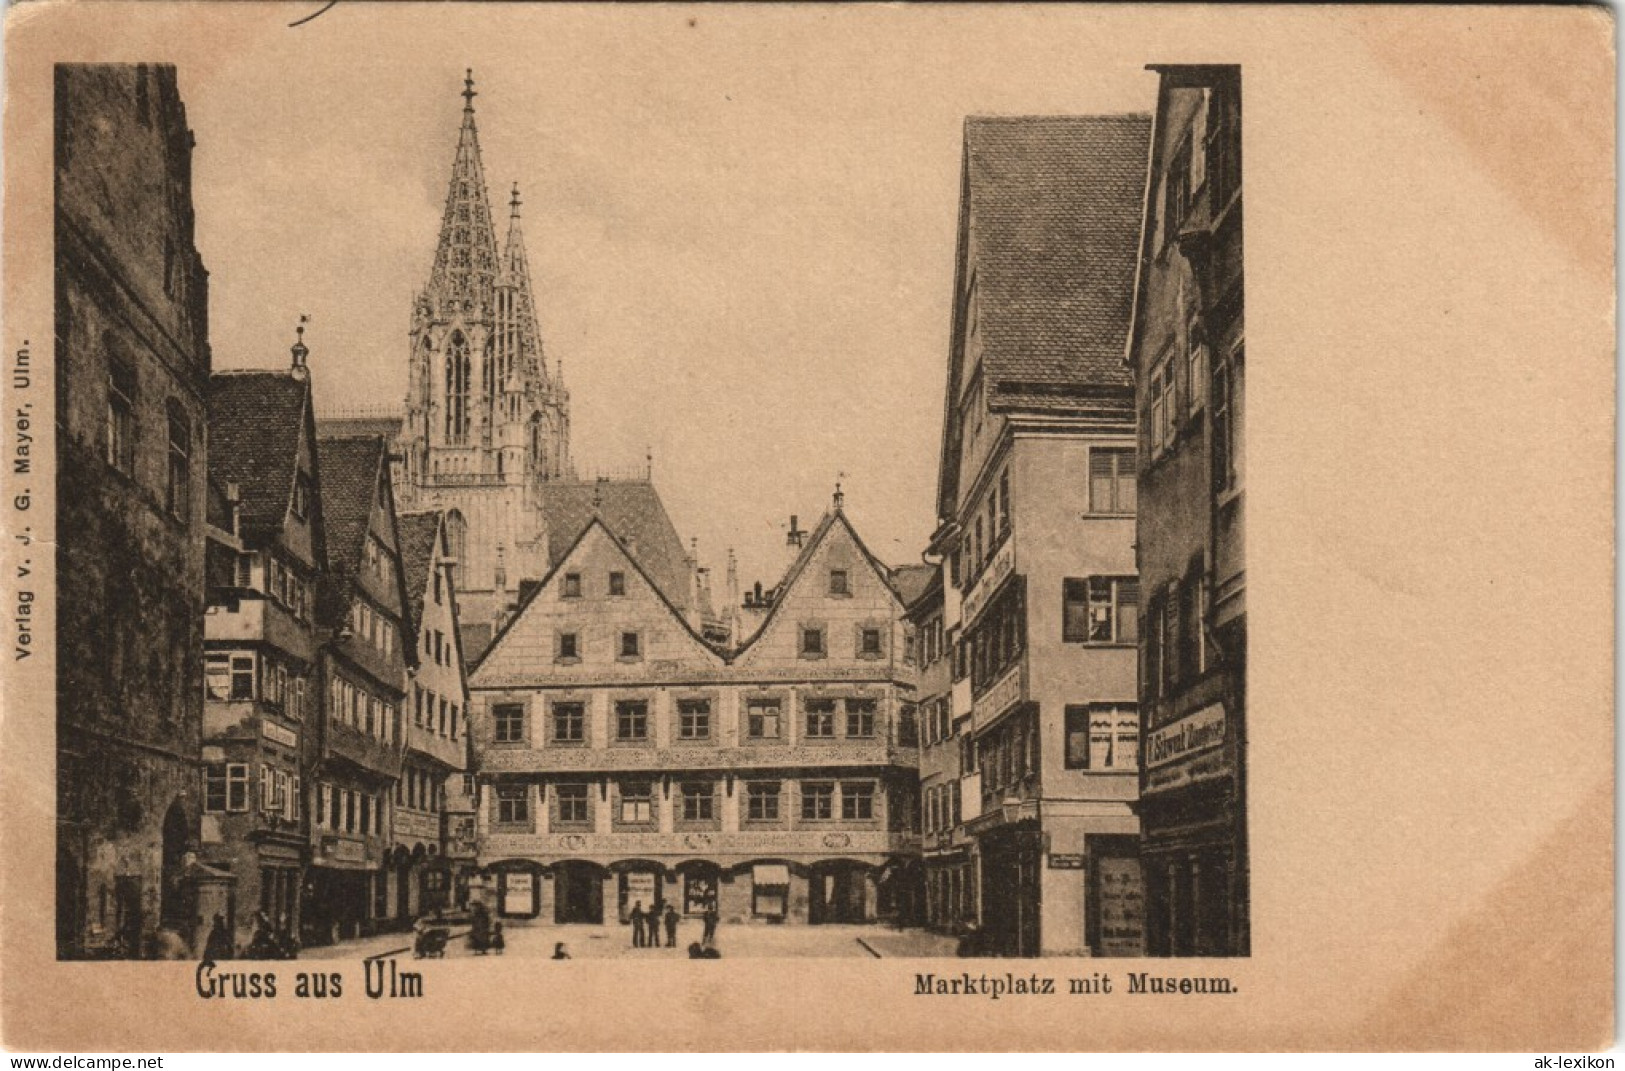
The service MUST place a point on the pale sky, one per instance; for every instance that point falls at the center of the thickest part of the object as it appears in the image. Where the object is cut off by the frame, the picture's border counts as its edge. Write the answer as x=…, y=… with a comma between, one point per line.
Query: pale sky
x=741, y=223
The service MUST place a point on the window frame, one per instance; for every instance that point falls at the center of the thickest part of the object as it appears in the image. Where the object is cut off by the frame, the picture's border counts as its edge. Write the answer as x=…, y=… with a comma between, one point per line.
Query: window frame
x=1124, y=464
x=697, y=731
x=584, y=798
x=623, y=709
x=512, y=807
x=764, y=793
x=571, y=712
x=826, y=728
x=502, y=714
x=757, y=712
x=814, y=792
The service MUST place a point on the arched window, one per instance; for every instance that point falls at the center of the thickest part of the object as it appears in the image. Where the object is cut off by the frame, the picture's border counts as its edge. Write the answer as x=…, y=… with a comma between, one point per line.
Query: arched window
x=457, y=372
x=538, y=455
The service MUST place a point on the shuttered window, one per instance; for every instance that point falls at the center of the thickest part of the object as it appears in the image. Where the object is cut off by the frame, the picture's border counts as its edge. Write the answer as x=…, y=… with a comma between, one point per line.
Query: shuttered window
x=1111, y=480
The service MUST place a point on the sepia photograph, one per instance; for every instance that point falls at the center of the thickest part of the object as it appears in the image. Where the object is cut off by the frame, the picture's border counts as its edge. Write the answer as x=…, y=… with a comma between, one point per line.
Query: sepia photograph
x=668, y=483
x=342, y=674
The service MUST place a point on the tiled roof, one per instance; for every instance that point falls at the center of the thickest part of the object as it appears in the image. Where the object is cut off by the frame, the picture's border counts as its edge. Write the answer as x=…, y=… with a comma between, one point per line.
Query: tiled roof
x=350, y=468
x=476, y=639
x=1054, y=205
x=347, y=427
x=417, y=535
x=255, y=419
x=910, y=581
x=633, y=511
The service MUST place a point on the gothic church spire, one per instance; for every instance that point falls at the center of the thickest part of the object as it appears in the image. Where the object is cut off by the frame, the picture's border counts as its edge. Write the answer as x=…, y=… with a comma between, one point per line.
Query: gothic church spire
x=465, y=261
x=516, y=273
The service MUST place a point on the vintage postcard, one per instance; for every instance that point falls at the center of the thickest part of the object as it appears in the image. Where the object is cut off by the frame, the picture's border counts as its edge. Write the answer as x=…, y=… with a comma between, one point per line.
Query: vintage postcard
x=518, y=515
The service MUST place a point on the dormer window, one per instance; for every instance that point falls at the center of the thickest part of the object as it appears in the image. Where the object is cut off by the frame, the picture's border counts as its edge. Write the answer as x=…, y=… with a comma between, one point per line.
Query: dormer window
x=301, y=496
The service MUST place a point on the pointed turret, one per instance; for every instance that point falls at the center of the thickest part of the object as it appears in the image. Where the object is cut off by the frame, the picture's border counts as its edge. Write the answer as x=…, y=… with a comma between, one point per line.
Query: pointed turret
x=465, y=261
x=528, y=362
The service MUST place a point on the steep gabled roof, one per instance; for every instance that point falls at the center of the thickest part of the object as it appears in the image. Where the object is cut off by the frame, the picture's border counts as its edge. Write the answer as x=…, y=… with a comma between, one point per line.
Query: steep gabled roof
x=419, y=534
x=1053, y=207
x=633, y=511
x=255, y=421
x=799, y=566
x=351, y=471
x=348, y=427
x=547, y=582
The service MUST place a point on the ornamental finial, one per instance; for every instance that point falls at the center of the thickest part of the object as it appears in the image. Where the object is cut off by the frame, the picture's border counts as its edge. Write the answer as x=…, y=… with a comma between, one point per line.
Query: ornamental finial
x=468, y=90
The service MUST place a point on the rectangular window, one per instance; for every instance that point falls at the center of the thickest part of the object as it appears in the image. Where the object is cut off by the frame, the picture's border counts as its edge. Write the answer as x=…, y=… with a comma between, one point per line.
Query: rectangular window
x=214, y=787
x=699, y=801
x=631, y=645
x=820, y=718
x=1111, y=480
x=217, y=677
x=637, y=802
x=1101, y=609
x=572, y=585
x=242, y=677
x=1004, y=502
x=569, y=723
x=762, y=802
x=121, y=416
x=857, y=800
x=812, y=642
x=817, y=800
x=869, y=643
x=631, y=719
x=1195, y=363
x=572, y=803
x=762, y=719
x=178, y=488
x=513, y=804
x=510, y=722
x=1224, y=452
x=839, y=582
x=1176, y=190
x=617, y=584
x=301, y=495
x=237, y=786
x=860, y=717
x=1102, y=737
x=366, y=813
x=694, y=719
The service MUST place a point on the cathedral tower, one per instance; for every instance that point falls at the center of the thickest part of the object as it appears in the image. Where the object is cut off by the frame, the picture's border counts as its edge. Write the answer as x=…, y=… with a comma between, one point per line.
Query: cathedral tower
x=486, y=425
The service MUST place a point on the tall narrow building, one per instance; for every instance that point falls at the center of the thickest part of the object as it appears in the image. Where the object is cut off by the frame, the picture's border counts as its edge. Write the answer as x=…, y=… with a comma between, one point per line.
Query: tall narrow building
x=485, y=424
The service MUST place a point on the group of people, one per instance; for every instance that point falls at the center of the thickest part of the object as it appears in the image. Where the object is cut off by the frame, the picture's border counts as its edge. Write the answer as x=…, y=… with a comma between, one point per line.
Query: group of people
x=646, y=925
x=270, y=940
x=483, y=935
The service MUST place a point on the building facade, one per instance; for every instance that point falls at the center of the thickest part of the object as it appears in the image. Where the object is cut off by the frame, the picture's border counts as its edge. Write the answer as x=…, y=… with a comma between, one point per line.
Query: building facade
x=132, y=373
x=261, y=684
x=435, y=727
x=624, y=760
x=350, y=889
x=1187, y=354
x=1036, y=501
x=485, y=421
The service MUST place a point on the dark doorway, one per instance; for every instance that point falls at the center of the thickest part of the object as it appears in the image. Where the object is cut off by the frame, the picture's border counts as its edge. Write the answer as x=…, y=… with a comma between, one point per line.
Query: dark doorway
x=128, y=920
x=836, y=894
x=578, y=893
x=173, y=908
x=70, y=903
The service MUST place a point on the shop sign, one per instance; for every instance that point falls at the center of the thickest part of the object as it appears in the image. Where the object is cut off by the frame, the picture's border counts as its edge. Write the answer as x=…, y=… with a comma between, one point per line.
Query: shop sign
x=278, y=734
x=345, y=851
x=1009, y=691
x=1002, y=565
x=640, y=888
x=518, y=892
x=1209, y=767
x=1066, y=862
x=1122, y=906
x=1187, y=736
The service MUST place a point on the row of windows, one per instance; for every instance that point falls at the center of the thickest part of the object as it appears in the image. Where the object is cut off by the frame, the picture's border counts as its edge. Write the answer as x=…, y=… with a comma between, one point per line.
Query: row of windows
x=344, y=810
x=696, y=802
x=435, y=713
x=380, y=562
x=225, y=790
x=121, y=434
x=1176, y=648
x=942, y=806
x=869, y=641
x=568, y=647
x=936, y=717
x=436, y=648
x=854, y=716
x=984, y=533
x=614, y=587
x=360, y=709
x=243, y=676
x=420, y=789
x=286, y=588
x=371, y=625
